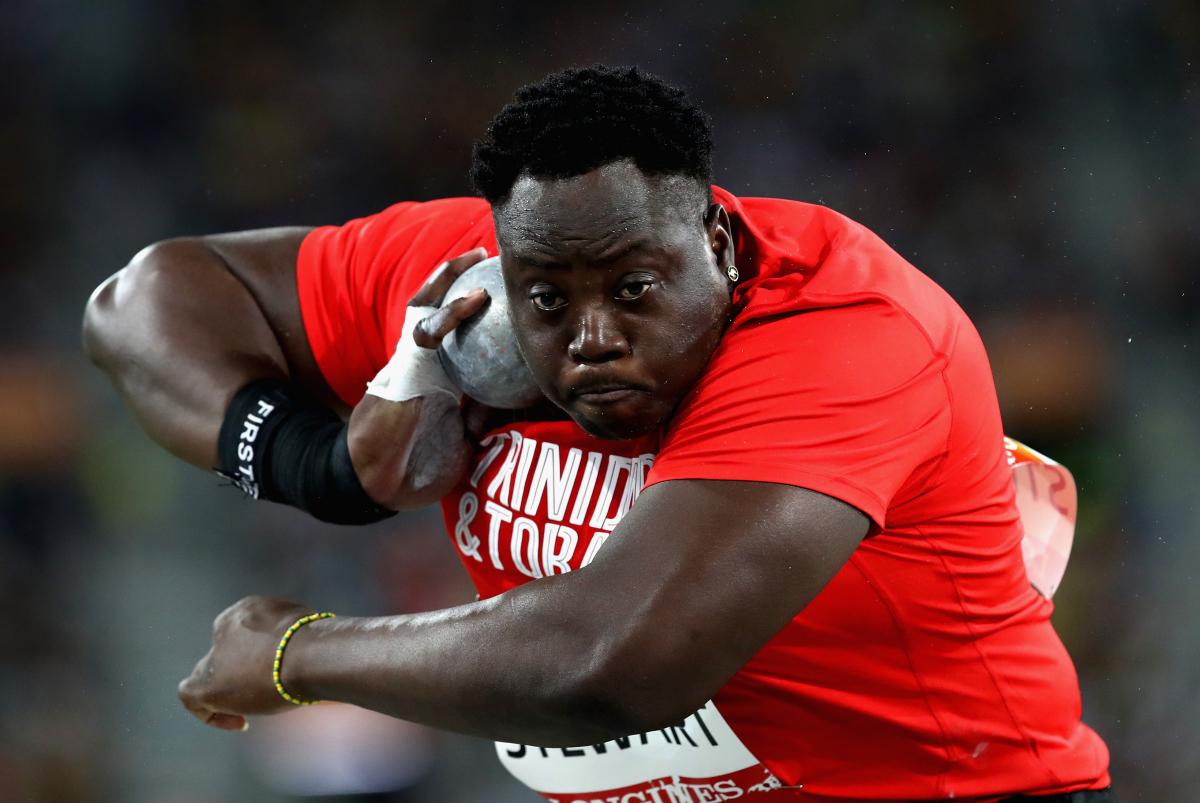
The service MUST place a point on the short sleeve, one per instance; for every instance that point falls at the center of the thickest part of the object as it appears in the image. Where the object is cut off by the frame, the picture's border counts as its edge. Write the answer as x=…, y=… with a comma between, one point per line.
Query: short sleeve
x=846, y=400
x=354, y=280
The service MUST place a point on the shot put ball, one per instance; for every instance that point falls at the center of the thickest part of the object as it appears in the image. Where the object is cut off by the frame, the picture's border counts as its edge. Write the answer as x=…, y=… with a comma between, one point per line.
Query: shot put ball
x=481, y=356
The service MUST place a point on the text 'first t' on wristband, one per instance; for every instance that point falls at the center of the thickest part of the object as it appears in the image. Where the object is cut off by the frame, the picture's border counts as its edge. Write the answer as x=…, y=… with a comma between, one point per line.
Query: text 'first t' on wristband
x=250, y=423
x=275, y=444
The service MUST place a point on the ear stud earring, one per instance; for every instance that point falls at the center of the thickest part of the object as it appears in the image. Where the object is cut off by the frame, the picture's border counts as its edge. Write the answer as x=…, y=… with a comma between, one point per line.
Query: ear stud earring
x=732, y=273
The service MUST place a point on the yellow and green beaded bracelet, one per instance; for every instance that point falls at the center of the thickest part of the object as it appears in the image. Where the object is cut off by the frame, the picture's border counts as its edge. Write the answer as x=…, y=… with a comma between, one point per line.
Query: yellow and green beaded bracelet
x=283, y=642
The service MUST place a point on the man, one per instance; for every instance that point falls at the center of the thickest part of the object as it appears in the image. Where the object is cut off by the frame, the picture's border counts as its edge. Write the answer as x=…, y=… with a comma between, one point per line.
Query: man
x=766, y=506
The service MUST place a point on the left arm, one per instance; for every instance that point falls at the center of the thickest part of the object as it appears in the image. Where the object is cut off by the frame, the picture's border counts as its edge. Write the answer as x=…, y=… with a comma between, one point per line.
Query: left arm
x=694, y=581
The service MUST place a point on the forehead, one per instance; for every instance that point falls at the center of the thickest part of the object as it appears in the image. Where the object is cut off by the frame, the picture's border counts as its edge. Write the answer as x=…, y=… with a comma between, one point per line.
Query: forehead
x=608, y=208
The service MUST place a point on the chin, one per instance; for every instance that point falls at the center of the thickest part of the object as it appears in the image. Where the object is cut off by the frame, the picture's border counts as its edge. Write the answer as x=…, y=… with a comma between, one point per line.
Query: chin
x=617, y=427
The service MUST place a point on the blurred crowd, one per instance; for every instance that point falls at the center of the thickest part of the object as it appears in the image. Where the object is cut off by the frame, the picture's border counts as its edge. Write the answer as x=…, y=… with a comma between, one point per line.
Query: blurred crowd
x=1041, y=161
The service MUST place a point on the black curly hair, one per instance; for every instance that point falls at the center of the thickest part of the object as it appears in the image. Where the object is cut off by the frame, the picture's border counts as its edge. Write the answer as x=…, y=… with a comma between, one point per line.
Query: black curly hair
x=576, y=120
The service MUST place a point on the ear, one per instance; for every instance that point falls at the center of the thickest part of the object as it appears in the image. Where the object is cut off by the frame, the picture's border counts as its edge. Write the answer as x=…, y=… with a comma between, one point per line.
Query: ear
x=719, y=231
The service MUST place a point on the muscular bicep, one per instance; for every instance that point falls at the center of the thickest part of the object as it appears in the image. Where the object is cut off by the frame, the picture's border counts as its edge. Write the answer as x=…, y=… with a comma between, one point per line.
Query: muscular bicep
x=264, y=260
x=191, y=320
x=702, y=573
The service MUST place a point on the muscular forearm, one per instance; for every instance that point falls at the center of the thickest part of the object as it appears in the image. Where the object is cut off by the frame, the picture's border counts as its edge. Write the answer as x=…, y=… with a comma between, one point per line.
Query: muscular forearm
x=408, y=454
x=621, y=646
x=522, y=667
x=696, y=578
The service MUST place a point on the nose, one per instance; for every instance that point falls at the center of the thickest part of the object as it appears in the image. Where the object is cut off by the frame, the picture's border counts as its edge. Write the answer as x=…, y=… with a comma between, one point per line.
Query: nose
x=597, y=338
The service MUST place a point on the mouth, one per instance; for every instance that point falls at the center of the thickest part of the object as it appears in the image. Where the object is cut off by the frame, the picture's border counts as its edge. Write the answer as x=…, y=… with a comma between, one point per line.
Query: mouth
x=607, y=393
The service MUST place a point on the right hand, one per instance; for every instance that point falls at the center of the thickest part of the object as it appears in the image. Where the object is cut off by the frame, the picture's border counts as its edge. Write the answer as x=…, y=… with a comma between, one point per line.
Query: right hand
x=383, y=435
x=430, y=332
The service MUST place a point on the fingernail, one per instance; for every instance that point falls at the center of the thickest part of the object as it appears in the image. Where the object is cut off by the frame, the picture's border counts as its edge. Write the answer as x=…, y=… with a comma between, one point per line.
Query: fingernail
x=477, y=293
x=245, y=725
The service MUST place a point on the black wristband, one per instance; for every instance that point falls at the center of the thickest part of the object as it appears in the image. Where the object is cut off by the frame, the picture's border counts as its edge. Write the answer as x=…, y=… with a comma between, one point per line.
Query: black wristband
x=277, y=445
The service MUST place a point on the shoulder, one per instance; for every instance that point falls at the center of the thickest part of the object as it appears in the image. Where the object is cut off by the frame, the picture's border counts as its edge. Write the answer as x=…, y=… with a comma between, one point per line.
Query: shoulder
x=409, y=237
x=801, y=258
x=812, y=362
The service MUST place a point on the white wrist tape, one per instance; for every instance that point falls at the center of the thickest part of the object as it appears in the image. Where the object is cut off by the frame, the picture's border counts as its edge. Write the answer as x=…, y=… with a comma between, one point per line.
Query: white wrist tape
x=412, y=371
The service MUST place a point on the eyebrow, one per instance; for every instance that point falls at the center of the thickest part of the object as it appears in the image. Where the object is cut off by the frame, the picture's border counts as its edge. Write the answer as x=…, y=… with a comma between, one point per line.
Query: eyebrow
x=624, y=251
x=619, y=253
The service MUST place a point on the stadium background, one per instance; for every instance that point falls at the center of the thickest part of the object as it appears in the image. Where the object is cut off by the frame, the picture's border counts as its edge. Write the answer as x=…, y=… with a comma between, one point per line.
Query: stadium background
x=1040, y=160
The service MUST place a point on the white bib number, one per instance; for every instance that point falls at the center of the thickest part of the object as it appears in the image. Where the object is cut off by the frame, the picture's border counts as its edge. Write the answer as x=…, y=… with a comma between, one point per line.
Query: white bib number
x=700, y=759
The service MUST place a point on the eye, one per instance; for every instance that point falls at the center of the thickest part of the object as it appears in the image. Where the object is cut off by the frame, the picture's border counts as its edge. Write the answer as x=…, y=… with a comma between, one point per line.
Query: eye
x=546, y=298
x=634, y=289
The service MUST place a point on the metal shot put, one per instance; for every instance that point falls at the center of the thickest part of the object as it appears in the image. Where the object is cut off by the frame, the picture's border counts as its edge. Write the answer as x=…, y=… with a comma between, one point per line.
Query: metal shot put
x=482, y=355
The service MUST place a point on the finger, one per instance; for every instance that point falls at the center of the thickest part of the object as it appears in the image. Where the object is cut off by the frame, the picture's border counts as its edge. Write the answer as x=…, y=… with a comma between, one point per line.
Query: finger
x=435, y=287
x=190, y=697
x=228, y=722
x=190, y=687
x=429, y=332
x=196, y=708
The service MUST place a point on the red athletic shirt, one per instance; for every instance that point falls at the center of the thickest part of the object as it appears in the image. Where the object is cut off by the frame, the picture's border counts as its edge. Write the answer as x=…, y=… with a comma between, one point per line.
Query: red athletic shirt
x=926, y=669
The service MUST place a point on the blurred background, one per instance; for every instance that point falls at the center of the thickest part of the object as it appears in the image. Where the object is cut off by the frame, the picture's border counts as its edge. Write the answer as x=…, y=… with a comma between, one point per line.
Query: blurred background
x=1039, y=160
